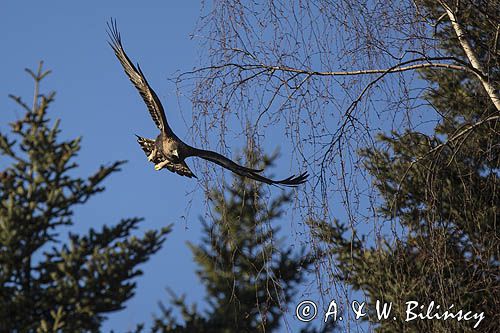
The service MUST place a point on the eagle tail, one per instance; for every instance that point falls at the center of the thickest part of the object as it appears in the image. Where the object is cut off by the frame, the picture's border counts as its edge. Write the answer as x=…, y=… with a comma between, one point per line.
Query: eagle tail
x=147, y=145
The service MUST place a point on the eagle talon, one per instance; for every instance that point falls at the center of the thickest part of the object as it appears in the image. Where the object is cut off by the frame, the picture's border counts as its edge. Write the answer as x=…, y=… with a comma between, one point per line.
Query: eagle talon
x=152, y=155
x=160, y=165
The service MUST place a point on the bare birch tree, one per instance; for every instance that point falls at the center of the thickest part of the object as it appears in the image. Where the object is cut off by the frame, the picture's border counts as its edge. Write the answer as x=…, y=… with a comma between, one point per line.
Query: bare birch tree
x=333, y=74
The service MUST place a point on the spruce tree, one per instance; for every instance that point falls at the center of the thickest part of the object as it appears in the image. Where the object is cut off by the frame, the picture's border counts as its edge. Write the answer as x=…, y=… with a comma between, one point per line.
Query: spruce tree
x=443, y=189
x=49, y=282
x=249, y=274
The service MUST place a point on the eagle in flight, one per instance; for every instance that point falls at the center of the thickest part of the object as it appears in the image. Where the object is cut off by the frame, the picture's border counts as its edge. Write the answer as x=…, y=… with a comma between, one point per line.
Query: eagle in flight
x=168, y=151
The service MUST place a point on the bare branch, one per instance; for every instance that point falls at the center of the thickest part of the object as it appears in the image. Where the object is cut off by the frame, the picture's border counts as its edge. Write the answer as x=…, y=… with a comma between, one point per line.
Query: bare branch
x=400, y=67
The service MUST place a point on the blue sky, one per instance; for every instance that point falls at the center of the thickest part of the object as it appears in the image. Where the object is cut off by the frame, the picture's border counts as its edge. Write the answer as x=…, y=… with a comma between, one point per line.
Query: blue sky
x=95, y=100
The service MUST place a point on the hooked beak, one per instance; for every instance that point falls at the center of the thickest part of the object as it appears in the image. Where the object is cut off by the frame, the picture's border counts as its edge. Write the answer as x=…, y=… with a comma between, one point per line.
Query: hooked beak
x=175, y=153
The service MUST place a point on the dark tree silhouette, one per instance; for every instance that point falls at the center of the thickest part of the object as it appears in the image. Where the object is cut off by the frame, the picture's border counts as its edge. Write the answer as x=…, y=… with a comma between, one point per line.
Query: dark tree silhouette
x=49, y=282
x=443, y=190
x=249, y=275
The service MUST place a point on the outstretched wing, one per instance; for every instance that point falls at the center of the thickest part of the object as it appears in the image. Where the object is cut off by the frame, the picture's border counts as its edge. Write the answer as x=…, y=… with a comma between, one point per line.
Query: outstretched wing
x=181, y=168
x=137, y=77
x=225, y=162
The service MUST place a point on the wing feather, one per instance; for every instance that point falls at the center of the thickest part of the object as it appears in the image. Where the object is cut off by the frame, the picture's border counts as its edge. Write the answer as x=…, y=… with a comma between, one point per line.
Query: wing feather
x=139, y=80
x=225, y=162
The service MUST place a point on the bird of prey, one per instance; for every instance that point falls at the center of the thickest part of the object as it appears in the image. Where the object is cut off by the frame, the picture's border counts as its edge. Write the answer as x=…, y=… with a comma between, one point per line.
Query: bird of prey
x=168, y=151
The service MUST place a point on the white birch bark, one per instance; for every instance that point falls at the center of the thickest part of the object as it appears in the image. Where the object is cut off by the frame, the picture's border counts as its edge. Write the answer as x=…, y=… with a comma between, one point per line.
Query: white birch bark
x=471, y=55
